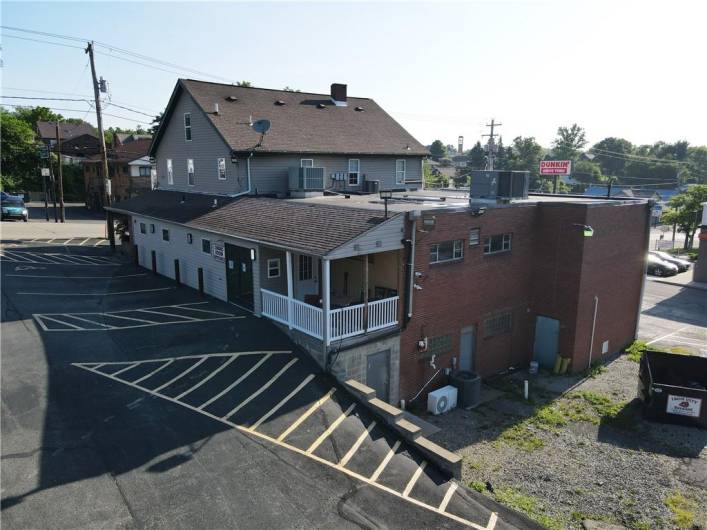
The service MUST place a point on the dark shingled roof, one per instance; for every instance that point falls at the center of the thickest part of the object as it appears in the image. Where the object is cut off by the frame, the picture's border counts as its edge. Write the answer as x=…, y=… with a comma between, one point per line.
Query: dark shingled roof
x=312, y=228
x=47, y=130
x=301, y=122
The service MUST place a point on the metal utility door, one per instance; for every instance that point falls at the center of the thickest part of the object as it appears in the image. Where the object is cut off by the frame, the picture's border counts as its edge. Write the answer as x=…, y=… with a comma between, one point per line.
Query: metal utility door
x=239, y=275
x=378, y=373
x=467, y=343
x=545, y=347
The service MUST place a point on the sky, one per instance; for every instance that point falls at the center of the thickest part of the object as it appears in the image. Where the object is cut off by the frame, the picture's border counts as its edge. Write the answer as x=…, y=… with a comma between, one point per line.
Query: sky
x=635, y=70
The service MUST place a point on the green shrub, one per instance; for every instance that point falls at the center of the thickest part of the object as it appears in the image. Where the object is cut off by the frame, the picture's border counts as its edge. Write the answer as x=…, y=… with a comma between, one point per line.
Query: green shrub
x=477, y=485
x=635, y=350
x=683, y=509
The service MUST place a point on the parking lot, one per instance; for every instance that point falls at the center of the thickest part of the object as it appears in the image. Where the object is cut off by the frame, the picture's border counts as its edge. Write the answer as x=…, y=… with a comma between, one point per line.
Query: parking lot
x=131, y=401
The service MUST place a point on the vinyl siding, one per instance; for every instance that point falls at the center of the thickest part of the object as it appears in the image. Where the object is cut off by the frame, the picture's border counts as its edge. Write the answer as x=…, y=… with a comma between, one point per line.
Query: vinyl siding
x=205, y=148
x=269, y=173
x=390, y=235
x=190, y=256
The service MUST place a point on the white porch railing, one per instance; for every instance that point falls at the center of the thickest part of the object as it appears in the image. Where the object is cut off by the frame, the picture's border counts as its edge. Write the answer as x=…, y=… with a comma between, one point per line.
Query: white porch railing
x=343, y=323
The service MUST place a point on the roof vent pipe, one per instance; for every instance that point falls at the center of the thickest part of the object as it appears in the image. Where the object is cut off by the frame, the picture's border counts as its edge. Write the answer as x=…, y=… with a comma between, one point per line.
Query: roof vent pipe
x=215, y=108
x=215, y=203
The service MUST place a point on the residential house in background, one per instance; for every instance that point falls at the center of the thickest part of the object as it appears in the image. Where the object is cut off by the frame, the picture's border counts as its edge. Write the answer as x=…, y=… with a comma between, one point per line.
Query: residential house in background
x=288, y=225
x=129, y=170
x=78, y=140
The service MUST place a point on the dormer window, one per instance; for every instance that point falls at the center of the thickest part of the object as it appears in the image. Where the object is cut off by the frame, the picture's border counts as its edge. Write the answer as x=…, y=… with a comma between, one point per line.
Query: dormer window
x=187, y=126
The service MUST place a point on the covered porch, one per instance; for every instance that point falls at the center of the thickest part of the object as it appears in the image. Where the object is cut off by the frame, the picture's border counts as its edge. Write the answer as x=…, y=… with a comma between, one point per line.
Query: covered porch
x=331, y=299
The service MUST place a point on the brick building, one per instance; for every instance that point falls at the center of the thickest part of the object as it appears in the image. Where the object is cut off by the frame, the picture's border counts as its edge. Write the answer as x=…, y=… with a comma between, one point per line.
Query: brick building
x=518, y=270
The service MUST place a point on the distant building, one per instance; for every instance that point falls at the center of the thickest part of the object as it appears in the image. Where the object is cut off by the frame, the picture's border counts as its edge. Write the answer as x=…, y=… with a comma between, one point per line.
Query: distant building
x=78, y=140
x=129, y=170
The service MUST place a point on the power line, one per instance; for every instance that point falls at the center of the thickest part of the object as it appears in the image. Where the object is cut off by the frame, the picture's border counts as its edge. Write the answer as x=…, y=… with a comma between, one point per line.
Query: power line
x=110, y=103
x=43, y=99
x=54, y=92
x=629, y=156
x=42, y=41
x=78, y=110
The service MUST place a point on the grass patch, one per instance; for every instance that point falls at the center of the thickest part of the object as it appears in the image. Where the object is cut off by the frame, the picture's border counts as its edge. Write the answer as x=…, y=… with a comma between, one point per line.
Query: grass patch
x=578, y=410
x=477, y=485
x=640, y=525
x=596, y=369
x=529, y=506
x=605, y=407
x=635, y=350
x=522, y=437
x=683, y=509
x=548, y=417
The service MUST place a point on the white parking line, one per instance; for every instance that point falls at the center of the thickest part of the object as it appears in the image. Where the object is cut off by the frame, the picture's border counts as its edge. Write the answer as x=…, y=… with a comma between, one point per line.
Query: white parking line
x=261, y=389
x=152, y=311
x=306, y=415
x=236, y=382
x=185, y=372
x=45, y=317
x=667, y=335
x=129, y=367
x=92, y=322
x=84, y=241
x=413, y=479
x=199, y=310
x=330, y=430
x=352, y=451
x=279, y=405
x=365, y=480
x=115, y=315
x=385, y=461
x=448, y=496
x=153, y=372
x=209, y=377
x=75, y=277
x=115, y=293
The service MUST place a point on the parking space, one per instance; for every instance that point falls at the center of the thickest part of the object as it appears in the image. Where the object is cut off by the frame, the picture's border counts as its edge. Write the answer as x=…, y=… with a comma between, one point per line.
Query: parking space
x=63, y=241
x=122, y=332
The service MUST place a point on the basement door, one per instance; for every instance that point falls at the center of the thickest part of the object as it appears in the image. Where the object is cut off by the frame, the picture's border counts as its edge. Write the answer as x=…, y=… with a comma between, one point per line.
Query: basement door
x=466, y=349
x=239, y=276
x=378, y=373
x=546, y=345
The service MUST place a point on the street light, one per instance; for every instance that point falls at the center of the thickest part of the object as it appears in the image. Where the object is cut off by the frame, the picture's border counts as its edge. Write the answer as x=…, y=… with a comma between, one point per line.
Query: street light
x=386, y=195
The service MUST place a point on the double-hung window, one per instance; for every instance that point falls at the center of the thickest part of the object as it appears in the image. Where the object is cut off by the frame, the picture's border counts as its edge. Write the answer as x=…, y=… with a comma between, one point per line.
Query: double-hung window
x=165, y=234
x=221, y=169
x=144, y=171
x=274, y=268
x=190, y=171
x=305, y=268
x=498, y=325
x=143, y=228
x=400, y=171
x=354, y=171
x=497, y=243
x=206, y=246
x=447, y=251
x=187, y=127
x=170, y=172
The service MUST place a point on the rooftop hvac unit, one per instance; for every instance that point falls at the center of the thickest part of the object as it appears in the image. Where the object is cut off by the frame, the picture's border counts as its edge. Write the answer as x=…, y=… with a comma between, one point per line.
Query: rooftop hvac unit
x=499, y=185
x=442, y=400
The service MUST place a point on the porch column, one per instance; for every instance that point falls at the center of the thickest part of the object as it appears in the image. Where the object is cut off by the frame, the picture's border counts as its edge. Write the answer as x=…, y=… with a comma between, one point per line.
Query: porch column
x=290, y=294
x=365, y=293
x=326, y=299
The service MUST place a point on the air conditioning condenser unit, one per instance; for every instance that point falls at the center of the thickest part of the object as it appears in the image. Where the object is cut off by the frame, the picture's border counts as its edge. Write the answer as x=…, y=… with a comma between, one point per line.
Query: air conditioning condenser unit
x=442, y=400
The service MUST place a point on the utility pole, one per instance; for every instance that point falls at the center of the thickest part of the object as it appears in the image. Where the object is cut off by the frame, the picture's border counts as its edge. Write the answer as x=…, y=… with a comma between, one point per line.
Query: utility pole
x=62, y=214
x=99, y=119
x=491, y=146
x=608, y=191
x=52, y=186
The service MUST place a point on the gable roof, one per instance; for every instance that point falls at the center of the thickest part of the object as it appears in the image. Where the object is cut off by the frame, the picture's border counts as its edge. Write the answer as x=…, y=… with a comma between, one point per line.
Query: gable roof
x=126, y=152
x=302, y=122
x=47, y=130
x=311, y=228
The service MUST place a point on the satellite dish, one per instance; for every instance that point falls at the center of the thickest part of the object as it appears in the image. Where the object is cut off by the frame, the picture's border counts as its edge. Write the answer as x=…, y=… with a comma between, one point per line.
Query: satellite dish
x=261, y=126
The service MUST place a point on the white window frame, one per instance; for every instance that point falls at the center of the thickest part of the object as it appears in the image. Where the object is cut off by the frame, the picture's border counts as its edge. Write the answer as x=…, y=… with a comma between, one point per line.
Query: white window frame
x=308, y=262
x=202, y=245
x=142, y=170
x=399, y=172
x=306, y=162
x=274, y=268
x=221, y=164
x=357, y=172
x=457, y=251
x=187, y=128
x=191, y=179
x=170, y=172
x=506, y=243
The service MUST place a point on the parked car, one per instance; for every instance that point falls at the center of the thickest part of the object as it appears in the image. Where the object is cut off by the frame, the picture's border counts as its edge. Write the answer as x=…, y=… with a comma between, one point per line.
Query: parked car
x=13, y=207
x=659, y=267
x=682, y=264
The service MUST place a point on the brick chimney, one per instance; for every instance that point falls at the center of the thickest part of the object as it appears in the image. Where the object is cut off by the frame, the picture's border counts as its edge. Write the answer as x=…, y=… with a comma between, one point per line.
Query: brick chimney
x=338, y=94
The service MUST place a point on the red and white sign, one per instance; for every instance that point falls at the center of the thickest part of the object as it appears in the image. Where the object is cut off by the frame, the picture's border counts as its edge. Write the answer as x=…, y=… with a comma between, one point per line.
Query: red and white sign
x=684, y=406
x=555, y=167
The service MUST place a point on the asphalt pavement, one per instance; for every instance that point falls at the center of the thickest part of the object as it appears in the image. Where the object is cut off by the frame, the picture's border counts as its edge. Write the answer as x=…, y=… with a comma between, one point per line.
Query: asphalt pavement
x=129, y=401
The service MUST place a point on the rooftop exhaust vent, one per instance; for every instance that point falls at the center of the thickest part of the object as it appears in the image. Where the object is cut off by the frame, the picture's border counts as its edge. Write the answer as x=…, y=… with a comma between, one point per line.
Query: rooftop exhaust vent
x=231, y=98
x=321, y=106
x=359, y=109
x=279, y=103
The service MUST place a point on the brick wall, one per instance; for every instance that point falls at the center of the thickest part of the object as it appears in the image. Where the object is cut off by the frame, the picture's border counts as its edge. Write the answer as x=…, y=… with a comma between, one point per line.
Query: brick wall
x=551, y=270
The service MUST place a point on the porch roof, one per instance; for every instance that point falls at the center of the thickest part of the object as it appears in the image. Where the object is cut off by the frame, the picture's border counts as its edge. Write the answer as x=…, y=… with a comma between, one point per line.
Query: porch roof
x=315, y=229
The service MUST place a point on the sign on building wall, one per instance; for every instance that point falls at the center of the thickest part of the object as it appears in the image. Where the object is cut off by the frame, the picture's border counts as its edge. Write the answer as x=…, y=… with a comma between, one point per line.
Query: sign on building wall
x=218, y=250
x=555, y=167
x=684, y=406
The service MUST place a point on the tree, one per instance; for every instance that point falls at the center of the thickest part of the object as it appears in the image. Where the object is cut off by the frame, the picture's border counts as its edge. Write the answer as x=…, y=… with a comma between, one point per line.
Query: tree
x=611, y=154
x=433, y=178
x=19, y=159
x=587, y=171
x=156, y=124
x=569, y=142
x=526, y=156
x=244, y=83
x=31, y=115
x=685, y=211
x=438, y=150
x=477, y=156
x=503, y=156
x=697, y=168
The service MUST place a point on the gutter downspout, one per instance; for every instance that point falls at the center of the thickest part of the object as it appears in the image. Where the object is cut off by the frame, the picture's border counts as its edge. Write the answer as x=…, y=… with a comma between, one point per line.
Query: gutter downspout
x=649, y=209
x=411, y=265
x=594, y=325
x=247, y=161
